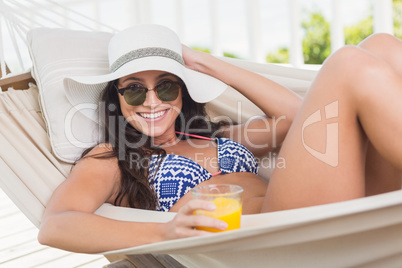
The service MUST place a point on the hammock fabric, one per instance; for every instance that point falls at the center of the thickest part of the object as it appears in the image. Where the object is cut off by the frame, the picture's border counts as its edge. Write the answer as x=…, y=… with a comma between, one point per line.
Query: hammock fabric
x=363, y=232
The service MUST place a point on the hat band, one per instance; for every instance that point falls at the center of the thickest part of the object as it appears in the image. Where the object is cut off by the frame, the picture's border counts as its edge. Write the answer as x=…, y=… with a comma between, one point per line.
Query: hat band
x=146, y=52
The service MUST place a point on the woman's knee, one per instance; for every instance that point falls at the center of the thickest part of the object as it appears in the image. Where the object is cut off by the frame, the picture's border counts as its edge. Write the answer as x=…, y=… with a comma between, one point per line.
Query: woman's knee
x=350, y=66
x=357, y=60
x=349, y=60
x=378, y=41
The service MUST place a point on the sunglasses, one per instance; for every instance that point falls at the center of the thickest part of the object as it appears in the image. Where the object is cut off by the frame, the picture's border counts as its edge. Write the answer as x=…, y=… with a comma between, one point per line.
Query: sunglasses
x=135, y=94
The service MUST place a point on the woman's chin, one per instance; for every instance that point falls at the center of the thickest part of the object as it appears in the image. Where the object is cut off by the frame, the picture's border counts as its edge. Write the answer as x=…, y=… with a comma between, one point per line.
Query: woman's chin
x=154, y=133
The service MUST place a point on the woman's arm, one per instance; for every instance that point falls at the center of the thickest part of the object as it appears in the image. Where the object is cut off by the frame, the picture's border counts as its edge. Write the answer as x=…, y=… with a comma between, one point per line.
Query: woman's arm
x=278, y=103
x=69, y=221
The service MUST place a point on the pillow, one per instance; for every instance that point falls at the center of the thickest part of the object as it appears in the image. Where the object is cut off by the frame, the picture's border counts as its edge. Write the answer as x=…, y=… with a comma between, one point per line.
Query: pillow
x=57, y=53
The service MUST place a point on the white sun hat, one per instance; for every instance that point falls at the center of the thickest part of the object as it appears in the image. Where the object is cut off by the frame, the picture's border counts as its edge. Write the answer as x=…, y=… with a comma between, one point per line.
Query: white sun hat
x=142, y=48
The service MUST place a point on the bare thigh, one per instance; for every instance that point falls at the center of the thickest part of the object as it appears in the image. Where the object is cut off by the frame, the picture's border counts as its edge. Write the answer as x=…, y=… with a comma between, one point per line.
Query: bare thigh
x=325, y=149
x=381, y=176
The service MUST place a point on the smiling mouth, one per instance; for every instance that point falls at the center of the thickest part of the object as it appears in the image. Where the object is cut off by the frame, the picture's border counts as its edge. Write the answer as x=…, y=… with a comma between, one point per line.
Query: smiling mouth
x=153, y=115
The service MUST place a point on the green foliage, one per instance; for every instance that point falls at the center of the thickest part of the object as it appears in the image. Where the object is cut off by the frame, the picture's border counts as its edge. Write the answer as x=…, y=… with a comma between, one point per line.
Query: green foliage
x=397, y=18
x=225, y=54
x=316, y=42
x=280, y=56
x=202, y=49
x=356, y=33
x=317, y=39
x=230, y=55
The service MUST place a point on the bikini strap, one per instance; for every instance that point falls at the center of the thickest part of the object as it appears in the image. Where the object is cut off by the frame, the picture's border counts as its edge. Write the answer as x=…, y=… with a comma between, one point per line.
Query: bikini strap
x=199, y=137
x=194, y=136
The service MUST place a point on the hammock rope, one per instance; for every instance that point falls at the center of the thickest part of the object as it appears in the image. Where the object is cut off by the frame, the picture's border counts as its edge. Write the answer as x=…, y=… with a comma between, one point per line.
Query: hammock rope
x=12, y=31
x=17, y=17
x=111, y=29
x=2, y=60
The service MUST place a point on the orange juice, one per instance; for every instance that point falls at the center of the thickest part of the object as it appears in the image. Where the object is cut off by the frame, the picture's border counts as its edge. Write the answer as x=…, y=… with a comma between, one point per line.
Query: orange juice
x=227, y=209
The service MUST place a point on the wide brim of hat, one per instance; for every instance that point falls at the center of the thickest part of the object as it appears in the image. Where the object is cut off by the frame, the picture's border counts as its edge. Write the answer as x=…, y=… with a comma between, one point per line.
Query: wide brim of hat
x=87, y=89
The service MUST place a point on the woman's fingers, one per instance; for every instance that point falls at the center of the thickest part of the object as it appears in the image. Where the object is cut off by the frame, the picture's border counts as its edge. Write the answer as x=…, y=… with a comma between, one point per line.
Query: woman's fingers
x=199, y=220
x=188, y=55
x=193, y=59
x=184, y=223
x=185, y=226
x=196, y=204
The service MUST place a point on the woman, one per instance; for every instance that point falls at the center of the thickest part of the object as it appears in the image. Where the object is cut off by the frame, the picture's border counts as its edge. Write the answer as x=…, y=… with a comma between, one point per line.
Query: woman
x=344, y=137
x=146, y=161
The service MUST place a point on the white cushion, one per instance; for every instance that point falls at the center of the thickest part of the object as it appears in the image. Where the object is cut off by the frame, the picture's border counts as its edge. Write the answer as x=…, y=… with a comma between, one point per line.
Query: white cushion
x=57, y=53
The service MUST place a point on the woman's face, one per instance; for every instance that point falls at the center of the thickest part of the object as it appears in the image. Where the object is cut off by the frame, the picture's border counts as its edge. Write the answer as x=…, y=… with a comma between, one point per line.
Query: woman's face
x=154, y=117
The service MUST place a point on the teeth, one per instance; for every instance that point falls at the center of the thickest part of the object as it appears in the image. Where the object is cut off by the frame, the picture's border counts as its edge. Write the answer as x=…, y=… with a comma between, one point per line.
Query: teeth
x=152, y=115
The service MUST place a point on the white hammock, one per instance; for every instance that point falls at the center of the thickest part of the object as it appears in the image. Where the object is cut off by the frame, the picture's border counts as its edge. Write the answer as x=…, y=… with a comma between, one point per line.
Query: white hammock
x=364, y=232
x=17, y=17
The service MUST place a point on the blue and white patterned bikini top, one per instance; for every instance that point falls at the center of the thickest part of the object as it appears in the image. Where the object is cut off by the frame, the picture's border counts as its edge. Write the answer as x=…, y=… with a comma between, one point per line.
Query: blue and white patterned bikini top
x=177, y=175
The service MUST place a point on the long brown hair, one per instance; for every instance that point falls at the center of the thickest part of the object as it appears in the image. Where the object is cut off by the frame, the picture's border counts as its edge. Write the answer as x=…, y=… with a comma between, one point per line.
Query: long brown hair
x=127, y=142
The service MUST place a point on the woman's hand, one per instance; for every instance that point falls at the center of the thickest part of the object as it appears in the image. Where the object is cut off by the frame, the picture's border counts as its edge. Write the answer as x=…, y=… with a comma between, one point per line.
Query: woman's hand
x=183, y=224
x=193, y=58
x=279, y=104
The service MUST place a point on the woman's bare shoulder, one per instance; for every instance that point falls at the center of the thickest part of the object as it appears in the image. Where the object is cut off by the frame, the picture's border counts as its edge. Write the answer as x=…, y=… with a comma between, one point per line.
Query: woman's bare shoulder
x=101, y=161
x=100, y=149
x=93, y=180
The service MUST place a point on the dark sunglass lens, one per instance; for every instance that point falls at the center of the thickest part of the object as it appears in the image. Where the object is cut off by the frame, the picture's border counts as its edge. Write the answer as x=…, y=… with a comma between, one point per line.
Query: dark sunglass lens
x=168, y=91
x=134, y=97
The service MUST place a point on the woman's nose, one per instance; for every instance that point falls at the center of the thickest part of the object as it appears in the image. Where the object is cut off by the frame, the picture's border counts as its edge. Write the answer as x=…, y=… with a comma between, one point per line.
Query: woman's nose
x=151, y=98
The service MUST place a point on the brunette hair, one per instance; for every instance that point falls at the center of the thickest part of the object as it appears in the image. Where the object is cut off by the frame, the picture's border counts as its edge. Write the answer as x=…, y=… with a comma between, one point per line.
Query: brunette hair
x=117, y=132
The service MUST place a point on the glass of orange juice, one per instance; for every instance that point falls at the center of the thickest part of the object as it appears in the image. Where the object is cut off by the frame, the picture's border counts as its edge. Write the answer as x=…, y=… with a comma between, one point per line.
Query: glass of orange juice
x=228, y=201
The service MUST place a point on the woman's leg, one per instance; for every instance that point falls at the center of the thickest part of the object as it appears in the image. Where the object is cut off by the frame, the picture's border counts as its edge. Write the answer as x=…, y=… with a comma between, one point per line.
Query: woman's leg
x=386, y=47
x=356, y=97
x=381, y=176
